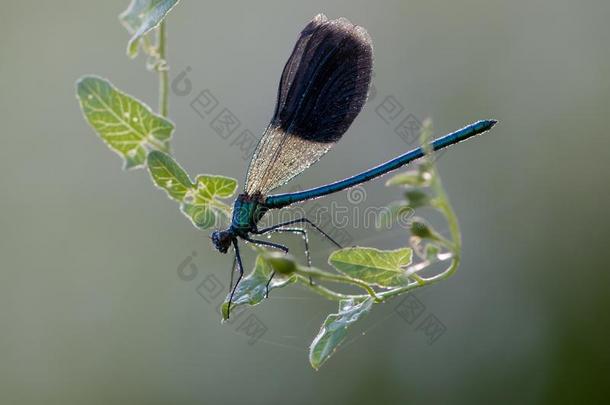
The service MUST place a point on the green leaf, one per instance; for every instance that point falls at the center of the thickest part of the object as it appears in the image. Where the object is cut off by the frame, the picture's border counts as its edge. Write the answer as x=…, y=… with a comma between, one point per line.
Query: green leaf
x=422, y=230
x=411, y=178
x=251, y=289
x=281, y=263
x=432, y=251
x=384, y=268
x=142, y=16
x=202, y=216
x=417, y=199
x=209, y=187
x=334, y=329
x=200, y=201
x=168, y=175
x=202, y=204
x=127, y=125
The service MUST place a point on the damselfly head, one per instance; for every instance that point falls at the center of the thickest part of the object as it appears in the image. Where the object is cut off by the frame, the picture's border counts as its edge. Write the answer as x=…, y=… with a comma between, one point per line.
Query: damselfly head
x=222, y=240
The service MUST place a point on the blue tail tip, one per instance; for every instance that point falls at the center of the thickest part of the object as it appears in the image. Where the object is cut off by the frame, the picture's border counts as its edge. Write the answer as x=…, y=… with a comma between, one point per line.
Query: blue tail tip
x=490, y=123
x=485, y=125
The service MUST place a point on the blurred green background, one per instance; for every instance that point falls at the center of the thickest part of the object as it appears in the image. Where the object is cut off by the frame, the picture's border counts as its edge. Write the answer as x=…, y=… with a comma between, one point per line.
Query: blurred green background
x=92, y=309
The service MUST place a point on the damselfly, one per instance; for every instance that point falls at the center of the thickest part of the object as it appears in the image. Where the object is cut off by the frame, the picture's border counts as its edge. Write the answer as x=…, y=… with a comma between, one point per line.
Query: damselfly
x=323, y=87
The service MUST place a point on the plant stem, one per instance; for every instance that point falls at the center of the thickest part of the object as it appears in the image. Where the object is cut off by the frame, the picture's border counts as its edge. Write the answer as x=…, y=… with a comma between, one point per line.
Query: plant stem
x=163, y=73
x=445, y=206
x=454, y=227
x=326, y=292
x=156, y=144
x=339, y=279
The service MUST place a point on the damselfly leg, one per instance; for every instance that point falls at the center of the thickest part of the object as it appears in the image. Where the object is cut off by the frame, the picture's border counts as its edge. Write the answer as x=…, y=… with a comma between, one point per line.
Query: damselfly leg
x=241, y=274
x=303, y=232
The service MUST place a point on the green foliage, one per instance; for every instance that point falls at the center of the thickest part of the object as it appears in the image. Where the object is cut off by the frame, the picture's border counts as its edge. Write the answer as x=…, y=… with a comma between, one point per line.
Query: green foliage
x=168, y=175
x=203, y=206
x=252, y=288
x=382, y=268
x=141, y=137
x=127, y=125
x=199, y=201
x=417, y=198
x=422, y=230
x=334, y=329
x=411, y=178
x=142, y=16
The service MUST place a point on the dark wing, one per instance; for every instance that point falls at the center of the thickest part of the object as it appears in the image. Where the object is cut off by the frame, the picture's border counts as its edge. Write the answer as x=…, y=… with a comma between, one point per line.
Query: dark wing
x=323, y=88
